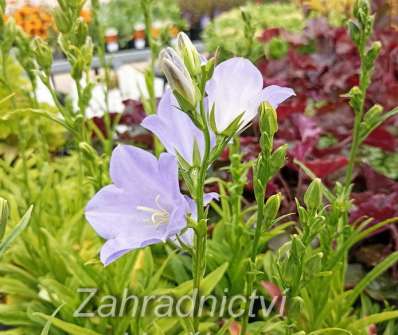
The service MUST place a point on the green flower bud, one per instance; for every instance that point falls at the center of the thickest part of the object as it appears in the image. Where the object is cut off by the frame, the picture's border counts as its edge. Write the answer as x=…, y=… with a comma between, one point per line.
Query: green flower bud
x=8, y=34
x=361, y=9
x=268, y=119
x=4, y=212
x=177, y=75
x=372, y=54
x=189, y=54
x=314, y=195
x=81, y=32
x=272, y=206
x=77, y=69
x=43, y=53
x=373, y=114
x=355, y=32
x=278, y=158
x=355, y=96
x=62, y=21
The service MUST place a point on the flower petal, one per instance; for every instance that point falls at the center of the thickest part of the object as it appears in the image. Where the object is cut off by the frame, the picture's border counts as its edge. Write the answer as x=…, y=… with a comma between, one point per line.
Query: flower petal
x=174, y=128
x=234, y=84
x=131, y=166
x=209, y=197
x=168, y=169
x=275, y=95
x=117, y=247
x=113, y=211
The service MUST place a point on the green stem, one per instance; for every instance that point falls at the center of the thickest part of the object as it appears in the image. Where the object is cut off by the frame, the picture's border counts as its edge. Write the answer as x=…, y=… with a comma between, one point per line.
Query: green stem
x=150, y=75
x=108, y=144
x=201, y=232
x=252, y=276
x=82, y=111
x=363, y=86
x=147, y=6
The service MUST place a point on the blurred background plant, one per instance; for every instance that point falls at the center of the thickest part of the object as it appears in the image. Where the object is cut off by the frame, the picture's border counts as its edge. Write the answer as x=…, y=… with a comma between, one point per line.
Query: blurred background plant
x=227, y=32
x=124, y=15
x=337, y=11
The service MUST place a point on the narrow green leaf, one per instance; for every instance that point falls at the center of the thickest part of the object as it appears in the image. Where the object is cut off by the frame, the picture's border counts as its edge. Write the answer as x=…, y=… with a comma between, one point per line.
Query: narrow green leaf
x=374, y=319
x=70, y=328
x=333, y=331
x=15, y=232
x=372, y=275
x=46, y=328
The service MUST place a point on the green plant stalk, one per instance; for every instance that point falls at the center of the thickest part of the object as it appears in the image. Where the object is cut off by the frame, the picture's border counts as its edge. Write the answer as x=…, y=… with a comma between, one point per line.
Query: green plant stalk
x=82, y=112
x=252, y=276
x=147, y=9
x=236, y=190
x=357, y=124
x=201, y=231
x=146, y=6
x=105, y=66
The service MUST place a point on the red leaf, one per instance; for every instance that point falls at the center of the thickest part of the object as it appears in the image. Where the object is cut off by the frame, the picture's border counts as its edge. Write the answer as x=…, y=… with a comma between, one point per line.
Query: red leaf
x=382, y=138
x=326, y=166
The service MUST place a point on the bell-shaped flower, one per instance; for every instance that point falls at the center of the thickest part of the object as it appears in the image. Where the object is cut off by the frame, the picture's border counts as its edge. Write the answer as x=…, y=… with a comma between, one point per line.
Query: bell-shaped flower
x=177, y=75
x=143, y=206
x=175, y=129
x=236, y=88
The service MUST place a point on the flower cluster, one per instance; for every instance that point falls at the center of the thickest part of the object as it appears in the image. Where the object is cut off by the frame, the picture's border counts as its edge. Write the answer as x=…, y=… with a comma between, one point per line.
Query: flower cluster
x=204, y=108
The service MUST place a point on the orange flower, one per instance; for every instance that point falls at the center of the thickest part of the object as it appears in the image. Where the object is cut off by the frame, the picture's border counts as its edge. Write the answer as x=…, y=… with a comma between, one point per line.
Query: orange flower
x=173, y=31
x=34, y=20
x=85, y=14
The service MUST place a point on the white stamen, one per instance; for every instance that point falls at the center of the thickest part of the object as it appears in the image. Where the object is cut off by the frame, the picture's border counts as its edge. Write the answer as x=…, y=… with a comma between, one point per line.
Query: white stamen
x=159, y=215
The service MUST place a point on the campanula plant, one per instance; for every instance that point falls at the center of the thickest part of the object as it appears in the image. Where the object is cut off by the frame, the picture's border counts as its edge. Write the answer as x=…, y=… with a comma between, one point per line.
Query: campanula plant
x=207, y=108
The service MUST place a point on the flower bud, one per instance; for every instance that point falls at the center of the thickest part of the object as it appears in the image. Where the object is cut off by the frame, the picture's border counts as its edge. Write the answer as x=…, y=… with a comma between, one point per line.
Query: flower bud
x=373, y=114
x=272, y=206
x=43, y=54
x=372, y=54
x=189, y=54
x=4, y=211
x=278, y=158
x=62, y=21
x=177, y=75
x=355, y=95
x=268, y=119
x=81, y=32
x=8, y=33
x=314, y=194
x=355, y=32
x=361, y=9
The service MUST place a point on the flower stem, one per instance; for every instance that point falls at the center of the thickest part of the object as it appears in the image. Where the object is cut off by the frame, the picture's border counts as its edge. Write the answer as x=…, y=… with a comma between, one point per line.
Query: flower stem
x=252, y=275
x=99, y=34
x=201, y=231
x=357, y=125
x=147, y=7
